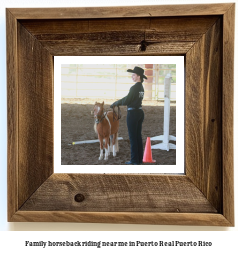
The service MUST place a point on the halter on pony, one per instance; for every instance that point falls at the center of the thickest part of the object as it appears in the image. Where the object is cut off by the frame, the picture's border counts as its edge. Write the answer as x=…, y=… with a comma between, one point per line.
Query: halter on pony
x=99, y=113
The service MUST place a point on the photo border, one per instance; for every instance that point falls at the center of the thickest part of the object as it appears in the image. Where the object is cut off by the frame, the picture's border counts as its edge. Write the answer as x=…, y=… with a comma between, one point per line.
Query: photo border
x=177, y=168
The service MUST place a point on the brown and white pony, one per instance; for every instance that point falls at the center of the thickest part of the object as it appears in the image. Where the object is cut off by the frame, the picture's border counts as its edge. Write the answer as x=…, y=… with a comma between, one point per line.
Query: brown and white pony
x=106, y=126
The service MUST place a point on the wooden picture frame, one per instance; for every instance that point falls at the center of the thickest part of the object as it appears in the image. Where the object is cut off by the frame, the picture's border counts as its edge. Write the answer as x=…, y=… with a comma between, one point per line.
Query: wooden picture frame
x=204, y=34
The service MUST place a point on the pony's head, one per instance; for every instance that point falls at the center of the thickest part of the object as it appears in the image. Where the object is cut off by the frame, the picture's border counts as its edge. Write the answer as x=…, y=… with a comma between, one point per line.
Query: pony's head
x=98, y=110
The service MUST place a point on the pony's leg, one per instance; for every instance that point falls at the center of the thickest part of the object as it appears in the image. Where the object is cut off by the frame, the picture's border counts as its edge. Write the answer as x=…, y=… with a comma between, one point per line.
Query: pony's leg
x=115, y=144
x=106, y=148
x=114, y=151
x=111, y=143
x=101, y=147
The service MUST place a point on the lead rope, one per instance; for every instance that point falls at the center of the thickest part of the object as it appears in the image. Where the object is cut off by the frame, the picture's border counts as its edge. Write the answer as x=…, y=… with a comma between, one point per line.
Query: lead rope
x=116, y=116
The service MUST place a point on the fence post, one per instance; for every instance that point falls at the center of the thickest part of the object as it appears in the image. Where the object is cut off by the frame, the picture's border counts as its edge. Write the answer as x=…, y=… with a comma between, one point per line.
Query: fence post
x=165, y=145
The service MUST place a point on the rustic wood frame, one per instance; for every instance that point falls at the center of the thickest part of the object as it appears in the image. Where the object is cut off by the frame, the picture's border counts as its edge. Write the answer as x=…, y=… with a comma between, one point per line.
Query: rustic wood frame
x=204, y=34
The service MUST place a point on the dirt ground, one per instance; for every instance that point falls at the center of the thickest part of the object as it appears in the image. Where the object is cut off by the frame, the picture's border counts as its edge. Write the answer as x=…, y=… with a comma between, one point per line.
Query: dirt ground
x=77, y=125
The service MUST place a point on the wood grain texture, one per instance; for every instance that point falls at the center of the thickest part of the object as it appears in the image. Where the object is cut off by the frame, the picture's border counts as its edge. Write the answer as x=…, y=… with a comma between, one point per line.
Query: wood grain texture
x=119, y=36
x=114, y=193
x=227, y=113
x=204, y=115
x=123, y=11
x=12, y=116
x=35, y=114
x=192, y=219
x=172, y=25
x=74, y=48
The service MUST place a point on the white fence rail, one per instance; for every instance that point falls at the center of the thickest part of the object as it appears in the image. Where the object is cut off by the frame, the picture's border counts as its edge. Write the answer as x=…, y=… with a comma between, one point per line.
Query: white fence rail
x=106, y=81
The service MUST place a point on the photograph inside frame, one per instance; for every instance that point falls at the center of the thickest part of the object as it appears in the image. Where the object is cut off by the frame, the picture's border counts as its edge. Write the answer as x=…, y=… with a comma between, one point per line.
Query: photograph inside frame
x=118, y=114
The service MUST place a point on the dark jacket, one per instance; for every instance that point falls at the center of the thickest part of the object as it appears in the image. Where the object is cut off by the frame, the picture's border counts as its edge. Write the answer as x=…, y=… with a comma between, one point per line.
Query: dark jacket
x=134, y=97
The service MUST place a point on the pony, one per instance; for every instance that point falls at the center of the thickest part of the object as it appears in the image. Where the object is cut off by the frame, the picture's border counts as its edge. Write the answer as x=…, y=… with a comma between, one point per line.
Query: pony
x=106, y=126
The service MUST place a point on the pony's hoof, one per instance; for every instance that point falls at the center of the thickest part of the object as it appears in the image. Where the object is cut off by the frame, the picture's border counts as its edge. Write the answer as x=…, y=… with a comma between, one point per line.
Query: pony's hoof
x=106, y=158
x=114, y=154
x=100, y=158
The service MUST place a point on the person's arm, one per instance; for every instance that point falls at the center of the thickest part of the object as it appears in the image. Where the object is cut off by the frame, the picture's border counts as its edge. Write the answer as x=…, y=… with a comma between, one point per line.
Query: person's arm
x=124, y=101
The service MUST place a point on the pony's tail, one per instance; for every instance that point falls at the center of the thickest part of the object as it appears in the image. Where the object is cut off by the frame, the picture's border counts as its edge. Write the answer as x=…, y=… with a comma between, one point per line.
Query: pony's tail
x=95, y=128
x=110, y=143
x=116, y=142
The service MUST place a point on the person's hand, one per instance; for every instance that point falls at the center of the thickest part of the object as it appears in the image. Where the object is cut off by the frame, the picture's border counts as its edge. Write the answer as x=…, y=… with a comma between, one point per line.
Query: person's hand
x=113, y=105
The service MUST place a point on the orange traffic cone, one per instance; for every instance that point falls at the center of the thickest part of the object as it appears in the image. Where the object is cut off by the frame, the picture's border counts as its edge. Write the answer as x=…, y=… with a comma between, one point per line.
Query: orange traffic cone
x=148, y=153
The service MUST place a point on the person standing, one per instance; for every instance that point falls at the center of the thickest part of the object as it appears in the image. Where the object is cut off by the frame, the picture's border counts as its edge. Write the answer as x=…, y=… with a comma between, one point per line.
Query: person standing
x=135, y=115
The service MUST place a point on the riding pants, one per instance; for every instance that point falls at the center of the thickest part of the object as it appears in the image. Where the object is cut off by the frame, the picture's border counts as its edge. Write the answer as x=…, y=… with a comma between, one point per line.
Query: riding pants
x=135, y=118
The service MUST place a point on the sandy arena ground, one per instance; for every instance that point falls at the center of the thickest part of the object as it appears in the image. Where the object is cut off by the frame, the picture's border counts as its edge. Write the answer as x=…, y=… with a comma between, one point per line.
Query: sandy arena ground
x=77, y=125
